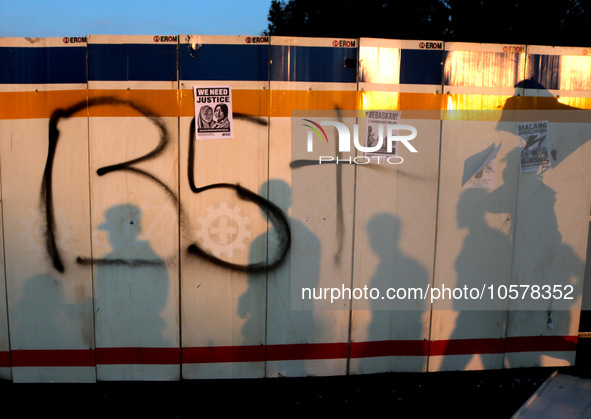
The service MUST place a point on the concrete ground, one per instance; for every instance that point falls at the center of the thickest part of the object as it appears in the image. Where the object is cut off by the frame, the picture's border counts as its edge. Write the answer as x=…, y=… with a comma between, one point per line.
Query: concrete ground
x=484, y=394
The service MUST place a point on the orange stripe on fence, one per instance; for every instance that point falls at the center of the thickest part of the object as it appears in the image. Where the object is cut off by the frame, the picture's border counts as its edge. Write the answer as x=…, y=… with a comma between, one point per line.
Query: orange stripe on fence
x=264, y=103
x=179, y=103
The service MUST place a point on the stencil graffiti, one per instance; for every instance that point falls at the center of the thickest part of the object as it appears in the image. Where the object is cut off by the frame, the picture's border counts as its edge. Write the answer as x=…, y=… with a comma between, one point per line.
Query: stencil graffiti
x=276, y=216
x=224, y=230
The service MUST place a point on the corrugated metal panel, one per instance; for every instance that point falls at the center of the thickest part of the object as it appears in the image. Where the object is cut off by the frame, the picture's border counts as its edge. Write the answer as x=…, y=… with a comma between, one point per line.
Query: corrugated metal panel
x=396, y=210
x=473, y=246
x=134, y=189
x=5, y=371
x=49, y=294
x=550, y=243
x=223, y=306
x=303, y=339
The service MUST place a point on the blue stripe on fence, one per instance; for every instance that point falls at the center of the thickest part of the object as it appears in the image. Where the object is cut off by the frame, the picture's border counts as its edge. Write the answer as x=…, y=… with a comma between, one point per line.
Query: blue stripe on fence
x=420, y=66
x=224, y=62
x=313, y=64
x=545, y=70
x=133, y=62
x=42, y=65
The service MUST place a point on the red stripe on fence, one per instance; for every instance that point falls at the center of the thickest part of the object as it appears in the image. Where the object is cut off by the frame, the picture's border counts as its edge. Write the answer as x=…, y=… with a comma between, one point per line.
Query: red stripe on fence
x=260, y=353
x=307, y=351
x=209, y=354
x=139, y=356
x=507, y=345
x=5, y=359
x=541, y=343
x=390, y=348
x=467, y=347
x=52, y=358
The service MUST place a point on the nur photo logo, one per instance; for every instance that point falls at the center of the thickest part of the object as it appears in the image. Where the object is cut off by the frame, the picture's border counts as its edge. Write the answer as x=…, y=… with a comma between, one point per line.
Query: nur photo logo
x=380, y=145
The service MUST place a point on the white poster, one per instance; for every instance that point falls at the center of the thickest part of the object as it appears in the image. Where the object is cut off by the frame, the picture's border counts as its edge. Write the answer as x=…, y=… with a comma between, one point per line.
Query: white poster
x=484, y=176
x=534, y=146
x=376, y=132
x=213, y=112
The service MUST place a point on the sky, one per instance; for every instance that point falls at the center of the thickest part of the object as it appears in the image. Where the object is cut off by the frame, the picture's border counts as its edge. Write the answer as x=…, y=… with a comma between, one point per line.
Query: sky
x=59, y=18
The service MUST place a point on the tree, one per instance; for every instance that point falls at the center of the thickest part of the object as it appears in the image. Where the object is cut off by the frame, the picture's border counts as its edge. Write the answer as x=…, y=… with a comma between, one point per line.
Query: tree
x=354, y=18
x=560, y=22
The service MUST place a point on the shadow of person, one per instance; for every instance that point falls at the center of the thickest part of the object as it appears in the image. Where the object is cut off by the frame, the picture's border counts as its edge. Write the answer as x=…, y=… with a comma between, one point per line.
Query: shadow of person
x=540, y=256
x=43, y=320
x=483, y=262
x=541, y=105
x=542, y=99
x=288, y=318
x=400, y=319
x=131, y=285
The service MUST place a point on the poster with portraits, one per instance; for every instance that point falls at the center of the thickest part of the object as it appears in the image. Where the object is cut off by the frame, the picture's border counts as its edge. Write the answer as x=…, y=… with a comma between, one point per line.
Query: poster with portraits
x=213, y=112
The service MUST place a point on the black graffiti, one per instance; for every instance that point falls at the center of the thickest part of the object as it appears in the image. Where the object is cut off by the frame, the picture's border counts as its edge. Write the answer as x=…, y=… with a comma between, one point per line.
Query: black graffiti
x=119, y=262
x=339, y=199
x=340, y=217
x=275, y=214
x=54, y=134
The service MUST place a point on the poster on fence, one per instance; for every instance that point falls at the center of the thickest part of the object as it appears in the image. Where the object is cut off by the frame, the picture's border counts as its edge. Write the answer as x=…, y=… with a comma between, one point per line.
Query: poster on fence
x=484, y=176
x=213, y=112
x=377, y=132
x=533, y=146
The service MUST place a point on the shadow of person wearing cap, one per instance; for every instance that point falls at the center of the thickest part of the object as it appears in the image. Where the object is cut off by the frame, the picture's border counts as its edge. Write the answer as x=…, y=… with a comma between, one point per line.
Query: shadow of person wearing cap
x=131, y=285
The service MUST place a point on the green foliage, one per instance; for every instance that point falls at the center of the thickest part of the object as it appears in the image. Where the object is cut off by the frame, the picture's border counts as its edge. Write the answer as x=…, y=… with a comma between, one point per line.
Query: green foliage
x=560, y=22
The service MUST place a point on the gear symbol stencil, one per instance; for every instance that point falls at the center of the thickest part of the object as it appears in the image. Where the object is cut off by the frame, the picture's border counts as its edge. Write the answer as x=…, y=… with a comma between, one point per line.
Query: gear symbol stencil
x=223, y=230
